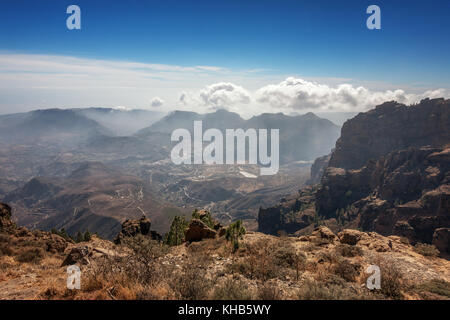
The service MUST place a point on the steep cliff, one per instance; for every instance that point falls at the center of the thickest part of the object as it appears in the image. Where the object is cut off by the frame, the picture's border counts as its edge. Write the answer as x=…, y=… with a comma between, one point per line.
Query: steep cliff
x=389, y=127
x=389, y=173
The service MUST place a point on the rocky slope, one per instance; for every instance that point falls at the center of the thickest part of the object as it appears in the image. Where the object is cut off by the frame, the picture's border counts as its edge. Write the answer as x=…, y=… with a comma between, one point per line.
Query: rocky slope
x=321, y=265
x=93, y=197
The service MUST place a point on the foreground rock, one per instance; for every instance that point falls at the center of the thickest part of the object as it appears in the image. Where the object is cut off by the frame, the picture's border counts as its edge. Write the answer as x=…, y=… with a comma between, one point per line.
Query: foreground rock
x=320, y=265
x=198, y=230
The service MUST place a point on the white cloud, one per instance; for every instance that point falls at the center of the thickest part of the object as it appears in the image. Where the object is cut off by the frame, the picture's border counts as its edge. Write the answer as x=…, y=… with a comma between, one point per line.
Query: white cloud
x=223, y=94
x=40, y=81
x=157, y=102
x=299, y=94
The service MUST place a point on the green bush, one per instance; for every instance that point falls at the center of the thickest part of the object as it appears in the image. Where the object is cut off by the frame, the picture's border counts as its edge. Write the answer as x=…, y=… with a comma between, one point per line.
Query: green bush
x=175, y=236
x=235, y=232
x=206, y=218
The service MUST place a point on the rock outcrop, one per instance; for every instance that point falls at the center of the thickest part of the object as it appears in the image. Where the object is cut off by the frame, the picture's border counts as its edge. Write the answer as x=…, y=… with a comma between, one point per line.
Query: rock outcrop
x=132, y=228
x=389, y=127
x=293, y=213
x=198, y=230
x=318, y=169
x=405, y=193
x=389, y=173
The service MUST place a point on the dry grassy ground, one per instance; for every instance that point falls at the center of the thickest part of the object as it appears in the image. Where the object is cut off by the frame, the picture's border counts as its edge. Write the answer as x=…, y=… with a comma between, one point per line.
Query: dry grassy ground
x=319, y=266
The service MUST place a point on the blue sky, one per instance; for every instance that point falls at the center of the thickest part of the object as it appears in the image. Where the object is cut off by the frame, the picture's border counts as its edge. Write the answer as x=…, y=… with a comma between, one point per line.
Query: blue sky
x=269, y=39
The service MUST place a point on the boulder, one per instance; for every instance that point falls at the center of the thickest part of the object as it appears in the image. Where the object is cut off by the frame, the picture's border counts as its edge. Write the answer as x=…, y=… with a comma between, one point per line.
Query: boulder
x=78, y=255
x=131, y=228
x=198, y=230
x=350, y=236
x=324, y=233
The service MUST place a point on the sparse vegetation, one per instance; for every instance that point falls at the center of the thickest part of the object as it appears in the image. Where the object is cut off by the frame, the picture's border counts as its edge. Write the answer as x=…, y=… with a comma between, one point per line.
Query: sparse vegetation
x=435, y=286
x=427, y=250
x=314, y=290
x=235, y=232
x=269, y=291
x=191, y=283
x=346, y=270
x=31, y=255
x=232, y=289
x=204, y=216
x=349, y=251
x=175, y=236
x=391, y=279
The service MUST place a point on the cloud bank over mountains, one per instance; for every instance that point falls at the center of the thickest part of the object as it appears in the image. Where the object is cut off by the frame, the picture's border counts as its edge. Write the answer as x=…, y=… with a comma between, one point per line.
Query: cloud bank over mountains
x=32, y=81
x=295, y=94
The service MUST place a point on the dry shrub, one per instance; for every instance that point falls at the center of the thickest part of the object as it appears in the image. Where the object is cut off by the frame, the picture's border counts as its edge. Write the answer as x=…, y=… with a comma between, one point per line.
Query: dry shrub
x=391, y=281
x=269, y=291
x=50, y=293
x=257, y=266
x=435, y=286
x=265, y=260
x=427, y=250
x=347, y=250
x=286, y=255
x=120, y=292
x=142, y=264
x=6, y=250
x=134, y=266
x=320, y=241
x=313, y=290
x=159, y=292
x=232, y=289
x=346, y=270
x=391, y=278
x=404, y=240
x=191, y=283
x=310, y=247
x=329, y=256
x=30, y=255
x=93, y=282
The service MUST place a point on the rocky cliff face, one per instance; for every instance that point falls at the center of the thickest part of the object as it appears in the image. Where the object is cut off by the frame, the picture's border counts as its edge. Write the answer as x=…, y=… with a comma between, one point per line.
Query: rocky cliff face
x=292, y=214
x=132, y=228
x=389, y=127
x=405, y=193
x=389, y=173
x=318, y=169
